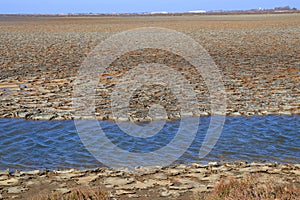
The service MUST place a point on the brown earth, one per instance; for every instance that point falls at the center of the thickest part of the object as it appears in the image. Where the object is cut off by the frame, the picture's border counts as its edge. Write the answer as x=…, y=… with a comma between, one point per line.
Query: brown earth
x=258, y=56
x=173, y=182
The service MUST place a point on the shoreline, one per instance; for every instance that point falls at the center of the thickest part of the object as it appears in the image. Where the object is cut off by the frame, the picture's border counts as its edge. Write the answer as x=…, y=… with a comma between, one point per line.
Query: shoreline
x=112, y=119
x=178, y=181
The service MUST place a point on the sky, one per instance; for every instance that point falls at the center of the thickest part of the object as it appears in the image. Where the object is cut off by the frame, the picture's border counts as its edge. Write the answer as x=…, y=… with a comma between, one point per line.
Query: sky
x=133, y=6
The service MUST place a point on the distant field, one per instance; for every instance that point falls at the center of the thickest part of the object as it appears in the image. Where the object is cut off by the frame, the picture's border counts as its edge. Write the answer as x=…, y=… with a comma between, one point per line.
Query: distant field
x=121, y=23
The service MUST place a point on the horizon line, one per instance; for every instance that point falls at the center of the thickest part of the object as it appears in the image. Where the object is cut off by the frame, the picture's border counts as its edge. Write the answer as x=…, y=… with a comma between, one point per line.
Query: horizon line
x=160, y=12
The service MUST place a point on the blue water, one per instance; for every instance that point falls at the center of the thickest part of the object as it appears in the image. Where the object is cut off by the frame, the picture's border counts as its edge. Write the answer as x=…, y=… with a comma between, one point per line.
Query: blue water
x=27, y=144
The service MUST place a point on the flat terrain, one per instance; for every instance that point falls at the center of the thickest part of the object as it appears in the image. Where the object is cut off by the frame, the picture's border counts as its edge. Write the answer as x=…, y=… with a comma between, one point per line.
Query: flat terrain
x=173, y=182
x=257, y=55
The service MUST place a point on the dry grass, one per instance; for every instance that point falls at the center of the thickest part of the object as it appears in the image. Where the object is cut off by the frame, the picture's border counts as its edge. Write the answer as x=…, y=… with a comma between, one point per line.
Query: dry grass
x=254, y=188
x=85, y=193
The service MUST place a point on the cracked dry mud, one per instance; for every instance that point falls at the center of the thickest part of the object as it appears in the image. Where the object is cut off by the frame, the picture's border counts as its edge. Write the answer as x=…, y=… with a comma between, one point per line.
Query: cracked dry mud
x=257, y=55
x=173, y=182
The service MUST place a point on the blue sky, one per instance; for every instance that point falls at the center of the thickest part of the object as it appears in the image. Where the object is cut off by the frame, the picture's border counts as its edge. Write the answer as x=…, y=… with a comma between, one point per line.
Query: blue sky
x=131, y=6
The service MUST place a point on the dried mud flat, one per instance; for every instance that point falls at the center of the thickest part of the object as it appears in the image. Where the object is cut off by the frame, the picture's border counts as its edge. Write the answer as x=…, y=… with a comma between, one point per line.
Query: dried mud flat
x=173, y=182
x=257, y=55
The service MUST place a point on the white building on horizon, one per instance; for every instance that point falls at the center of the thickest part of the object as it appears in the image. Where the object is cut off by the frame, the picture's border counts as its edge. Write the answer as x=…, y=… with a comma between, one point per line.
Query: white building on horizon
x=162, y=12
x=197, y=11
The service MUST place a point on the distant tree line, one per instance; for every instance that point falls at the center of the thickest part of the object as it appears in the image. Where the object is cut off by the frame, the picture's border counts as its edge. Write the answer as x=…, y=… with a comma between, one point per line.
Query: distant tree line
x=285, y=8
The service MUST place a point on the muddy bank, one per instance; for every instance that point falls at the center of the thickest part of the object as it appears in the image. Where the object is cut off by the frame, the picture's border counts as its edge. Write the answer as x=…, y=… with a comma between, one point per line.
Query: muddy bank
x=173, y=182
x=257, y=55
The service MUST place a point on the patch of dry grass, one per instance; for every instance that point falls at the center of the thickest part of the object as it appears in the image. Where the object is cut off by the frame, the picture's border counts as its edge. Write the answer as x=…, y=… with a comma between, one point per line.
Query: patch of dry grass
x=253, y=187
x=85, y=193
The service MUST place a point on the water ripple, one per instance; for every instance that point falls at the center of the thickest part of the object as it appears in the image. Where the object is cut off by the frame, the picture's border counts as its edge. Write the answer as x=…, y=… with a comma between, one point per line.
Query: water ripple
x=30, y=145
